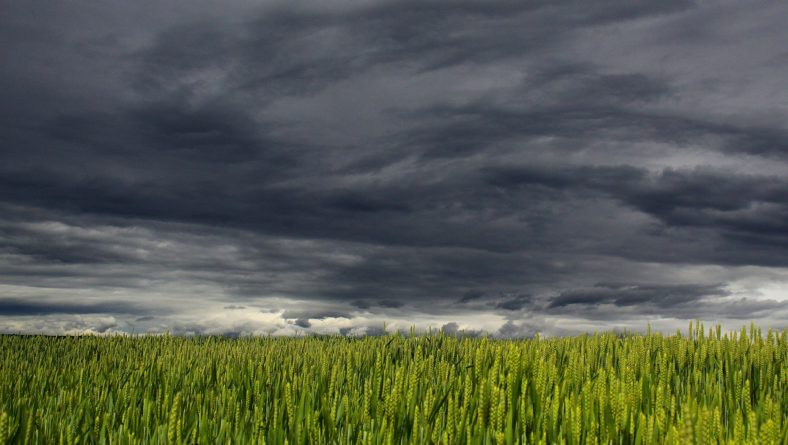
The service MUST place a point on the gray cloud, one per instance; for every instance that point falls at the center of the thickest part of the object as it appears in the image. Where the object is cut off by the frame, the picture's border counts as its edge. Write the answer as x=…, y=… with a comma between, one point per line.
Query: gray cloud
x=16, y=307
x=453, y=328
x=470, y=295
x=515, y=303
x=621, y=294
x=479, y=166
x=317, y=314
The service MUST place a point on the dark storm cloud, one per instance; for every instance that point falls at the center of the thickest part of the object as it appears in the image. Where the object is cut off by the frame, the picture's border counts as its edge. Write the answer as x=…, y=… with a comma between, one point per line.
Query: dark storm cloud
x=562, y=100
x=712, y=309
x=336, y=163
x=15, y=307
x=473, y=294
x=302, y=322
x=620, y=294
x=295, y=52
x=592, y=105
x=607, y=301
x=515, y=303
x=361, y=304
x=741, y=208
x=409, y=274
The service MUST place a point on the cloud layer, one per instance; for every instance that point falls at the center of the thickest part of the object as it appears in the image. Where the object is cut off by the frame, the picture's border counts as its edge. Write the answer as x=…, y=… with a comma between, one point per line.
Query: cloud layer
x=506, y=167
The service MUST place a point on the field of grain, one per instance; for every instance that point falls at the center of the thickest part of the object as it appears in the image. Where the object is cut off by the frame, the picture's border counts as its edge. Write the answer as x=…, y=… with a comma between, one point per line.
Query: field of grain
x=691, y=387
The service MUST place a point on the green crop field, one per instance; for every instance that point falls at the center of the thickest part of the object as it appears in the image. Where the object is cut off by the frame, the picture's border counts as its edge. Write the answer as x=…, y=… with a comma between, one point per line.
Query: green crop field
x=695, y=387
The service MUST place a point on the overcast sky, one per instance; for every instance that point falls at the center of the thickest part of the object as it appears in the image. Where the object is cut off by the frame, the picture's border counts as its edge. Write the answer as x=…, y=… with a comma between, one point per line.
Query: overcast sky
x=294, y=167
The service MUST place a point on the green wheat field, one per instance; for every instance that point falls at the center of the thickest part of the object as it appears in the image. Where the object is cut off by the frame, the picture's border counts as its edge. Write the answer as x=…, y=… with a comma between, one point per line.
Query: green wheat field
x=695, y=387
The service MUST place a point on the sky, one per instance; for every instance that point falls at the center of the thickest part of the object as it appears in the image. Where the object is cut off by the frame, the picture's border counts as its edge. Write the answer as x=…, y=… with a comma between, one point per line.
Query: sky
x=493, y=167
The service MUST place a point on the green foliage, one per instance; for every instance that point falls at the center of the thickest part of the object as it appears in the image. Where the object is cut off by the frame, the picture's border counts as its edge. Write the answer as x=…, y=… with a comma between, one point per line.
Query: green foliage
x=702, y=388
